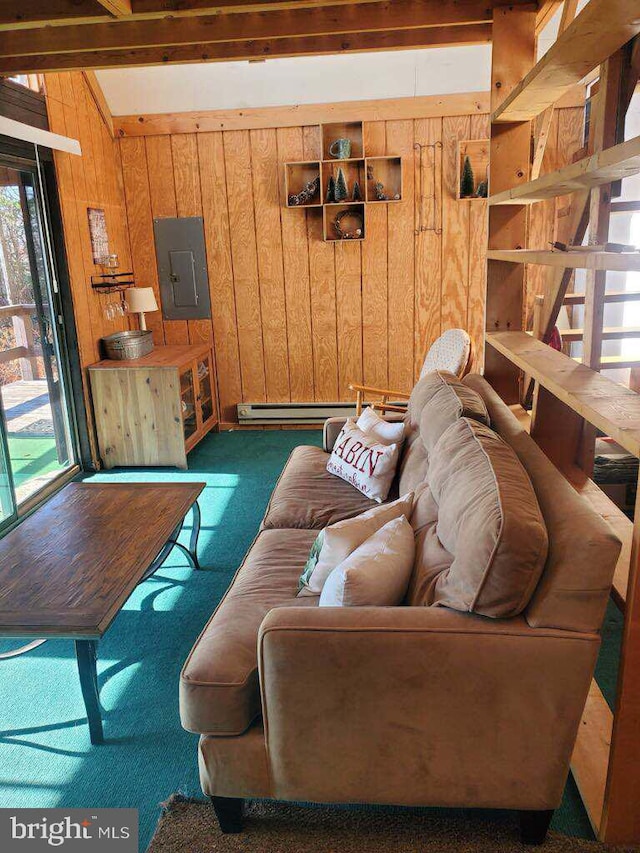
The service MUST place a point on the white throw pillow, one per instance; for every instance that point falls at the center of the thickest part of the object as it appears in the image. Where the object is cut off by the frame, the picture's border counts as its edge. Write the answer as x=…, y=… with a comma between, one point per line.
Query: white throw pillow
x=377, y=573
x=362, y=461
x=386, y=432
x=334, y=543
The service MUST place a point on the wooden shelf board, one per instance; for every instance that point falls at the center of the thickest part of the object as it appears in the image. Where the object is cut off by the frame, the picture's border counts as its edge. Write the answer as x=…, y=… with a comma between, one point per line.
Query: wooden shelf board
x=607, y=405
x=612, y=296
x=590, y=759
x=606, y=166
x=612, y=333
x=615, y=362
x=598, y=31
x=619, y=262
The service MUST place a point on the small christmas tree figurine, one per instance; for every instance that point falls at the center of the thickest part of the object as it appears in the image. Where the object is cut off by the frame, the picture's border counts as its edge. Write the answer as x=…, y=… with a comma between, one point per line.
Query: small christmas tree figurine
x=356, y=194
x=341, y=186
x=467, y=182
x=483, y=189
x=331, y=190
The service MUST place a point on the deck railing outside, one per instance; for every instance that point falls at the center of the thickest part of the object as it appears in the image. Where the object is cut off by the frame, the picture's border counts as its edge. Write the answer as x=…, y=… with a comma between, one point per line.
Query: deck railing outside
x=26, y=350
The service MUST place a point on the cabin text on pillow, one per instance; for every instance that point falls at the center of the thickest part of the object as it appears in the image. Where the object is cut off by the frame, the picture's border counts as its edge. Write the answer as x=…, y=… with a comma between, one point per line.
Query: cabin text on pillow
x=362, y=461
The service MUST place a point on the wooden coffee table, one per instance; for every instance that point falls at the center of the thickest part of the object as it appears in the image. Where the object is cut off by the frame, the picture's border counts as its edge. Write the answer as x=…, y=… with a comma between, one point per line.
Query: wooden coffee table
x=66, y=570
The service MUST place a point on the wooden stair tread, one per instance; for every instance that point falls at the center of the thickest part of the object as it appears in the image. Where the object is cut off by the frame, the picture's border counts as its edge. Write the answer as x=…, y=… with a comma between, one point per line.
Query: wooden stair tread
x=603, y=167
x=598, y=30
x=611, y=333
x=620, y=262
x=612, y=296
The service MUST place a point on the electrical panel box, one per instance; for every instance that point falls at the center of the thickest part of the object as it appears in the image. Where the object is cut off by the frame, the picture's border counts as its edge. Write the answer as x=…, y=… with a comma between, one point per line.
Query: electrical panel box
x=182, y=268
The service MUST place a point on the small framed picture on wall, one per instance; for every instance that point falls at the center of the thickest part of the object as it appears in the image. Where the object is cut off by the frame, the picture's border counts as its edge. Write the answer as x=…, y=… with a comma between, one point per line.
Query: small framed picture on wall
x=98, y=233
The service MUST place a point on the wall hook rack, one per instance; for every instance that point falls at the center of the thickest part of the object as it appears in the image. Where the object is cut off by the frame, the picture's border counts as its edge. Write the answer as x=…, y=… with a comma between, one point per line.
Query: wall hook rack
x=112, y=282
x=422, y=198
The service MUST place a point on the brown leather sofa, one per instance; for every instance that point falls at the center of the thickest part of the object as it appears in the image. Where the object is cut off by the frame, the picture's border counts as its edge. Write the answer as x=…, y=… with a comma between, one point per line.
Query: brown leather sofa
x=410, y=705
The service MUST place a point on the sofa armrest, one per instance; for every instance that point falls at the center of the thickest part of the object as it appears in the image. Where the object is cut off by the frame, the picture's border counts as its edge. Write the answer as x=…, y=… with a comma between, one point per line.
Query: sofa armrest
x=330, y=432
x=420, y=706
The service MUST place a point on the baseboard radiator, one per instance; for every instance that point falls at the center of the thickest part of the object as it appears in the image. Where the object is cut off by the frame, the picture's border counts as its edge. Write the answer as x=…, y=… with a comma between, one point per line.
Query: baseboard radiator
x=292, y=413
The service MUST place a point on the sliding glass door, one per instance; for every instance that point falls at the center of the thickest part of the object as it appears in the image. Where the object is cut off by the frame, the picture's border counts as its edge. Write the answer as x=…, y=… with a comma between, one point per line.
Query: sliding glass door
x=37, y=442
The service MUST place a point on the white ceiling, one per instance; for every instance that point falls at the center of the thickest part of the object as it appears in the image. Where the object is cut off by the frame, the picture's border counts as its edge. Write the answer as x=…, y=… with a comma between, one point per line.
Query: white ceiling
x=303, y=80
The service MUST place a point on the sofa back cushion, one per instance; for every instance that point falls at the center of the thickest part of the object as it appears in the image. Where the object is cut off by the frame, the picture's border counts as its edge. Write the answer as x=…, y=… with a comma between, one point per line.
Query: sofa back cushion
x=447, y=400
x=583, y=550
x=436, y=401
x=488, y=520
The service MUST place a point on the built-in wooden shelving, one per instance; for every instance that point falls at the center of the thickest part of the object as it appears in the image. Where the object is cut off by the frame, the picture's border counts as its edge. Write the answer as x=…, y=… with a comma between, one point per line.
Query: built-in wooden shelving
x=379, y=179
x=599, y=30
x=612, y=296
x=610, y=407
x=619, y=262
x=610, y=333
x=603, y=167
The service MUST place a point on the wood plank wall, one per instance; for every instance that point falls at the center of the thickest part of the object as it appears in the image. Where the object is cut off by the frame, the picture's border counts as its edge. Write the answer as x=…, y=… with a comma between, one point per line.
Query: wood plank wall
x=92, y=180
x=294, y=318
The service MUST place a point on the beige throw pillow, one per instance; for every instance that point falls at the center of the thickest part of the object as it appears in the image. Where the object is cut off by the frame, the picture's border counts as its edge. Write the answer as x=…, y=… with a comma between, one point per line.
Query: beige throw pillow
x=362, y=461
x=377, y=573
x=386, y=432
x=335, y=542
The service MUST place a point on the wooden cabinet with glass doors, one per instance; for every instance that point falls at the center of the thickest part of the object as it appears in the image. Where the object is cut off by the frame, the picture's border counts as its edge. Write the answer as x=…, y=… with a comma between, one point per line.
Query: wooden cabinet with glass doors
x=153, y=410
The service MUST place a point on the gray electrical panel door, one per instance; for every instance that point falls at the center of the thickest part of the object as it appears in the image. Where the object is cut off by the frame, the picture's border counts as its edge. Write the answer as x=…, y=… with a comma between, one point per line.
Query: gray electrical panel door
x=182, y=268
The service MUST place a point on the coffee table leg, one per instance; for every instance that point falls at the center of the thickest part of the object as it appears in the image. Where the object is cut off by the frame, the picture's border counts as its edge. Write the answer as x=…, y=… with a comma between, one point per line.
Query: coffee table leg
x=86, y=654
x=195, y=532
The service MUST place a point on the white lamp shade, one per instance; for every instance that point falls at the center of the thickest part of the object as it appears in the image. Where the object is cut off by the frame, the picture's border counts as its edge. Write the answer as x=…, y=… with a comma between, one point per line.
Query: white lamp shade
x=141, y=299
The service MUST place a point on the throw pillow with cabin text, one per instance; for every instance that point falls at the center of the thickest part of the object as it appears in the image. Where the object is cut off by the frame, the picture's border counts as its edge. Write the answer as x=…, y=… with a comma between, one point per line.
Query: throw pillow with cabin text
x=362, y=461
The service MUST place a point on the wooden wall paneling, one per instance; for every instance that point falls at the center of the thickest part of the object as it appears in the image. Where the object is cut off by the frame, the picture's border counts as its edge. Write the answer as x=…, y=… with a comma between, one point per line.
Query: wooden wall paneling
x=428, y=250
x=162, y=197
x=477, y=271
x=374, y=274
x=213, y=186
x=138, y=198
x=266, y=203
x=237, y=150
x=348, y=258
x=455, y=227
x=322, y=286
x=400, y=259
x=295, y=250
x=186, y=176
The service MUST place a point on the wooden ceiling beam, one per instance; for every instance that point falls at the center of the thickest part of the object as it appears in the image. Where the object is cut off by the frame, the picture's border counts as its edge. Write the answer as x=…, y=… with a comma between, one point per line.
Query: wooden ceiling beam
x=119, y=8
x=324, y=20
x=252, y=49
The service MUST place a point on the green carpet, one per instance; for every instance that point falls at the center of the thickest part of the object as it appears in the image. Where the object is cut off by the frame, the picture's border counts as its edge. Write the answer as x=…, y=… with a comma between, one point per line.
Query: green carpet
x=45, y=755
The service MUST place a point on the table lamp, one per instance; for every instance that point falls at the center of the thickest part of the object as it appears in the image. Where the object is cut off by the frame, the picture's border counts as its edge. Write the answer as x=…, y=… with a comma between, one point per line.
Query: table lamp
x=139, y=300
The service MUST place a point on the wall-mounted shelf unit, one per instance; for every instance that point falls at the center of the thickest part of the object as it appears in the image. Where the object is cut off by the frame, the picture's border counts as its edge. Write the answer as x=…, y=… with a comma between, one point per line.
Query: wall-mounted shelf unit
x=379, y=178
x=477, y=150
x=349, y=223
x=297, y=176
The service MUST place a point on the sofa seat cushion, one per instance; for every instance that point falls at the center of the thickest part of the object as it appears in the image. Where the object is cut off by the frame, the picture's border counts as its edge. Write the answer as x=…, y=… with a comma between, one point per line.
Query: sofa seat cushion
x=308, y=496
x=219, y=686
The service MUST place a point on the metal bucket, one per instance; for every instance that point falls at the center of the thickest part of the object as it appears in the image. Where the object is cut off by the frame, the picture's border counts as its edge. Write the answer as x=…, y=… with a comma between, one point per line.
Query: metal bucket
x=128, y=345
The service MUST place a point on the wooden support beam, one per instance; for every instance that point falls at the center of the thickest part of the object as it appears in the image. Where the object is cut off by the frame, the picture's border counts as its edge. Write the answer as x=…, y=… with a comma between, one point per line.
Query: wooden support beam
x=100, y=101
x=513, y=55
x=600, y=29
x=605, y=136
x=296, y=115
x=248, y=49
x=243, y=26
x=119, y=8
x=603, y=167
x=543, y=122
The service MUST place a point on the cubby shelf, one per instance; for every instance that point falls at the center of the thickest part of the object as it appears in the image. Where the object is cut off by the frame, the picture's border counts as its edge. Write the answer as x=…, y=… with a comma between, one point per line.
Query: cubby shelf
x=384, y=169
x=477, y=150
